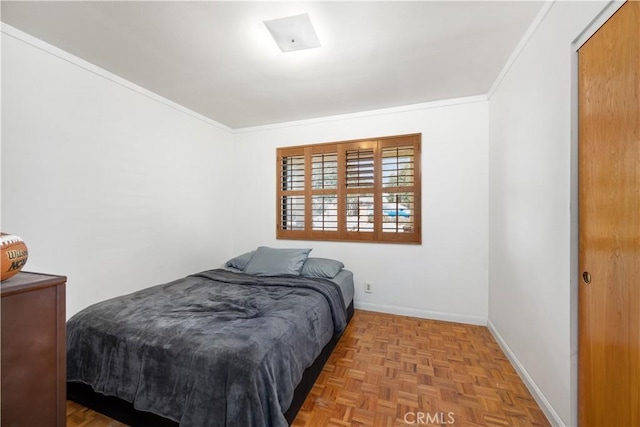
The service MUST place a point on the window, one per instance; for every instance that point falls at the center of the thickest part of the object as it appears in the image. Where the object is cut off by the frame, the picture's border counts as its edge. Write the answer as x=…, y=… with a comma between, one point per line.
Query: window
x=365, y=191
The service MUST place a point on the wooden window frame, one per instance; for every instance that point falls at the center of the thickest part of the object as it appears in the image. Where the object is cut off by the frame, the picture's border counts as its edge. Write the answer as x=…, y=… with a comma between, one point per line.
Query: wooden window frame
x=410, y=236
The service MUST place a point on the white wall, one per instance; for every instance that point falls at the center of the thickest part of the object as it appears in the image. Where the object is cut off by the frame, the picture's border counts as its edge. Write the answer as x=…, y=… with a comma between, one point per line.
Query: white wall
x=107, y=184
x=446, y=276
x=530, y=192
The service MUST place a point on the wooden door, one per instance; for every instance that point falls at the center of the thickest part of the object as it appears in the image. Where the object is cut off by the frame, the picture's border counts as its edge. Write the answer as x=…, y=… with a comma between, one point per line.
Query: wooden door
x=609, y=180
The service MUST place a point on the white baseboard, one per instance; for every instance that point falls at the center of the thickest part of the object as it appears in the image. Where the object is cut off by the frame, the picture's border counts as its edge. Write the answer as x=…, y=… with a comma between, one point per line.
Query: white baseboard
x=537, y=394
x=423, y=314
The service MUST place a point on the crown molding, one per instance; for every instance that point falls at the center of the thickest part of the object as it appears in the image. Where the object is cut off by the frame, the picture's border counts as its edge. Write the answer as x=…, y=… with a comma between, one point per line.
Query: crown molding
x=369, y=113
x=542, y=13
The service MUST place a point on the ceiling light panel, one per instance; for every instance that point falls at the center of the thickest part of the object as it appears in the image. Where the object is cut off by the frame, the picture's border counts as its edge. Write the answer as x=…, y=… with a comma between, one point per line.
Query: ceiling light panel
x=293, y=33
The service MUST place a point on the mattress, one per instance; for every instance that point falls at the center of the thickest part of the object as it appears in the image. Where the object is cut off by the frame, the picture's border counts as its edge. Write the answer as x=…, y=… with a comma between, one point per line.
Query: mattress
x=344, y=280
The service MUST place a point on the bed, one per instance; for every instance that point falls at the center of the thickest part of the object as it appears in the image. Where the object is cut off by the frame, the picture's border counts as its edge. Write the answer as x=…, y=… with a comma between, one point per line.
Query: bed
x=222, y=347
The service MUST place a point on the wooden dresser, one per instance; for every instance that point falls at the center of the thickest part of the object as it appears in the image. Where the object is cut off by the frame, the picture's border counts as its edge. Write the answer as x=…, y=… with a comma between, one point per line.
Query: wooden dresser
x=33, y=350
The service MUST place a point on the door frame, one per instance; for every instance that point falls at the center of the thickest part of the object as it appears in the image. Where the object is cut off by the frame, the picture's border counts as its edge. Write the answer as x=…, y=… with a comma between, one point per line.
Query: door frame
x=606, y=13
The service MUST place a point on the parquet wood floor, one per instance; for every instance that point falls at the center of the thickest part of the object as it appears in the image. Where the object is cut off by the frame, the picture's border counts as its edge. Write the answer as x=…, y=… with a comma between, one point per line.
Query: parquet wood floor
x=392, y=370
x=79, y=416
x=396, y=371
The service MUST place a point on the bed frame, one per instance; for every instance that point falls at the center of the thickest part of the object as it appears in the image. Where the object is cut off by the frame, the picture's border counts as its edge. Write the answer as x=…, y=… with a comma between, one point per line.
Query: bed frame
x=124, y=411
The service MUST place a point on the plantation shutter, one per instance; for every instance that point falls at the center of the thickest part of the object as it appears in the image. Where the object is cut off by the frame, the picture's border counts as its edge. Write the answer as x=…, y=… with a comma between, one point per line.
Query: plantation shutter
x=366, y=190
x=324, y=192
x=359, y=188
x=291, y=215
x=399, y=195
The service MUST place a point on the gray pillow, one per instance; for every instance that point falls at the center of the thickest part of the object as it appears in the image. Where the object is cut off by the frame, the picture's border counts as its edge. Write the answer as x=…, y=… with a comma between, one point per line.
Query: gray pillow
x=321, y=267
x=275, y=262
x=240, y=262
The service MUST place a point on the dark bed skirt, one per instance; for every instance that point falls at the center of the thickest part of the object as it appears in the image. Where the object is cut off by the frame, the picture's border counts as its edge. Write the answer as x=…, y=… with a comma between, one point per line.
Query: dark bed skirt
x=125, y=413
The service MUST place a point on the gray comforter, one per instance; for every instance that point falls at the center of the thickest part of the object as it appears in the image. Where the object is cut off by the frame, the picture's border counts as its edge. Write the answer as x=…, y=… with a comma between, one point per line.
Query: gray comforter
x=213, y=349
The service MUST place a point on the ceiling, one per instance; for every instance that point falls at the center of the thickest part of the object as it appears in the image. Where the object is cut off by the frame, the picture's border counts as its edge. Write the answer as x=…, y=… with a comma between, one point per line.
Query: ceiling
x=218, y=59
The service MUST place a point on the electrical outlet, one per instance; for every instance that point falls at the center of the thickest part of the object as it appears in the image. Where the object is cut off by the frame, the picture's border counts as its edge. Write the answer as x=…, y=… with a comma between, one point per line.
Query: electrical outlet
x=368, y=287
